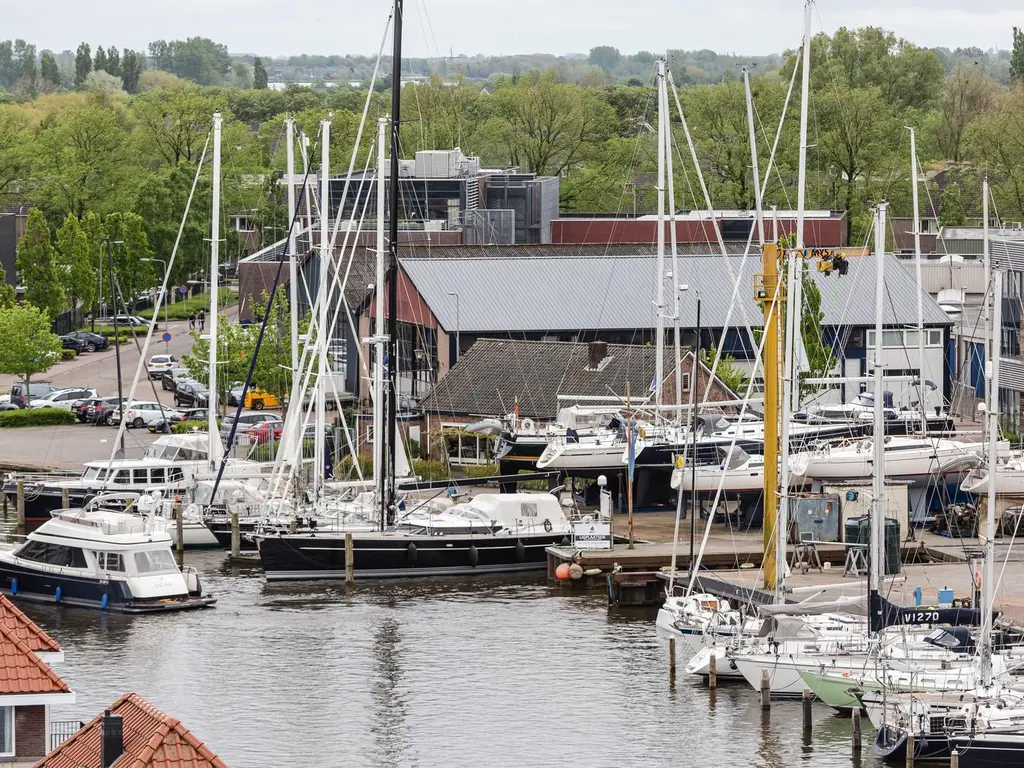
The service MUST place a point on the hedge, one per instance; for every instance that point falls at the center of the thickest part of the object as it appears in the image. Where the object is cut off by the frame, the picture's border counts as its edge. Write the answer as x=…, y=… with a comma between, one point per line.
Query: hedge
x=185, y=427
x=68, y=354
x=36, y=417
x=180, y=310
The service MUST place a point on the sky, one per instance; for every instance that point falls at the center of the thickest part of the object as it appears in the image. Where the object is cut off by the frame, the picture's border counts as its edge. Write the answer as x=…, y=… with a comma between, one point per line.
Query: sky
x=437, y=27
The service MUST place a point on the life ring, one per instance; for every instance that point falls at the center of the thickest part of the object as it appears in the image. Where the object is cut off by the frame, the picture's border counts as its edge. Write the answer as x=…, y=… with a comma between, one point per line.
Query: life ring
x=526, y=425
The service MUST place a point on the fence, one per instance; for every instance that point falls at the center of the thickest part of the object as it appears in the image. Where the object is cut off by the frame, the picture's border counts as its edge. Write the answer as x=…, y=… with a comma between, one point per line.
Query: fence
x=62, y=730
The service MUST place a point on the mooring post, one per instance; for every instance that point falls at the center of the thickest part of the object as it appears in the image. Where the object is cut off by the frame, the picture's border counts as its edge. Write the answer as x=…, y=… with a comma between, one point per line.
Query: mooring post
x=713, y=671
x=856, y=730
x=65, y=498
x=20, y=520
x=807, y=699
x=5, y=505
x=672, y=656
x=350, y=560
x=180, y=525
x=954, y=759
x=236, y=536
x=911, y=748
x=766, y=691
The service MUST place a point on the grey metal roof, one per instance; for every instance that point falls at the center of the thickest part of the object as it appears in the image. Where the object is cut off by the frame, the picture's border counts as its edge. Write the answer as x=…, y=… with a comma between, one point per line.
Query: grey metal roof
x=524, y=294
x=1007, y=253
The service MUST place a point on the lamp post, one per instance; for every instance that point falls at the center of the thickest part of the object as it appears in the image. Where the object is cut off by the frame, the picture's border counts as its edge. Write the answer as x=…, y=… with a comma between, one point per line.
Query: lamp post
x=458, y=340
x=156, y=291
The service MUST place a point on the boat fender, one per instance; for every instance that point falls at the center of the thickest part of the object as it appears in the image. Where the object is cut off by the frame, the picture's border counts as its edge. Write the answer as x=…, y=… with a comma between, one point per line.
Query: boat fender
x=104, y=601
x=411, y=554
x=57, y=594
x=474, y=556
x=592, y=572
x=575, y=571
x=14, y=586
x=547, y=525
x=562, y=572
x=565, y=541
x=520, y=551
x=192, y=582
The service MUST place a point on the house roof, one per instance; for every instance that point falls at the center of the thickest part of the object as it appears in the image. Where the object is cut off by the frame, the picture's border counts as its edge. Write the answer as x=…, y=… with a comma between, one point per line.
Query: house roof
x=493, y=372
x=20, y=626
x=536, y=294
x=152, y=739
x=21, y=671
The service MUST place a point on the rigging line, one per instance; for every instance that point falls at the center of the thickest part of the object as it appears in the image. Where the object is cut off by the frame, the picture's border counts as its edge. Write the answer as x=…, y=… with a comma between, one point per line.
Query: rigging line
x=771, y=164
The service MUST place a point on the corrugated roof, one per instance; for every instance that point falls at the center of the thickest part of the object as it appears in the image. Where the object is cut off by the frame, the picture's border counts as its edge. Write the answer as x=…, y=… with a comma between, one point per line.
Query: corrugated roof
x=524, y=294
x=151, y=740
x=1007, y=253
x=18, y=625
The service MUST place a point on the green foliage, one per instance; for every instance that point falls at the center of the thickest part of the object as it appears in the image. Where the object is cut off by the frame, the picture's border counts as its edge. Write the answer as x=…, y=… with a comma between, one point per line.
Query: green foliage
x=181, y=310
x=819, y=358
x=49, y=72
x=37, y=417
x=728, y=372
x=37, y=267
x=75, y=264
x=197, y=58
x=259, y=74
x=131, y=70
x=1017, y=56
x=29, y=347
x=83, y=64
x=133, y=274
x=99, y=63
x=185, y=427
x=113, y=62
x=68, y=354
x=605, y=57
x=951, y=208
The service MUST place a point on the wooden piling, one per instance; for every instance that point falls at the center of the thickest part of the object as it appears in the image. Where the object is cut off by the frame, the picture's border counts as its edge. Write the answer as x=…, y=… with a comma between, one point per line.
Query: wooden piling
x=180, y=525
x=713, y=672
x=350, y=560
x=911, y=749
x=672, y=656
x=954, y=759
x=766, y=691
x=20, y=519
x=65, y=498
x=5, y=505
x=856, y=730
x=806, y=700
x=236, y=536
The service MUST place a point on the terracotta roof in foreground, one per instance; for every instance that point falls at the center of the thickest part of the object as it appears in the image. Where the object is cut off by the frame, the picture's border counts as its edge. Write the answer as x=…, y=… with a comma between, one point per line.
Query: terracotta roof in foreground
x=21, y=671
x=26, y=630
x=152, y=739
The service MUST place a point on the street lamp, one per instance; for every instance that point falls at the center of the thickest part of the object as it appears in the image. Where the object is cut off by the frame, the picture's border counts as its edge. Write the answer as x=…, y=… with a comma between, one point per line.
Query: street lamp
x=458, y=344
x=156, y=291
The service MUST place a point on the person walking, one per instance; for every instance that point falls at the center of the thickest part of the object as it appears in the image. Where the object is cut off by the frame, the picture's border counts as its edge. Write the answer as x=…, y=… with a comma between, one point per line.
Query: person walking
x=202, y=320
x=192, y=321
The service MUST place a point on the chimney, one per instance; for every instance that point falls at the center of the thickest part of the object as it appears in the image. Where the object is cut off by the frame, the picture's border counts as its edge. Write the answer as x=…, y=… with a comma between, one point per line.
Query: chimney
x=597, y=351
x=111, y=739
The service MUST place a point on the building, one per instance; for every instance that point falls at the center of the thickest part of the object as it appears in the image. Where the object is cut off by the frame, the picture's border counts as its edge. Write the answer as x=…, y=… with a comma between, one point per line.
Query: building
x=13, y=220
x=132, y=732
x=1008, y=254
x=28, y=687
x=822, y=229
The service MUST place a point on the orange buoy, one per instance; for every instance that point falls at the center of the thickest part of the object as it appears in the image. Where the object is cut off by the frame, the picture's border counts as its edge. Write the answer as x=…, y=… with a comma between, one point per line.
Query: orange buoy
x=562, y=572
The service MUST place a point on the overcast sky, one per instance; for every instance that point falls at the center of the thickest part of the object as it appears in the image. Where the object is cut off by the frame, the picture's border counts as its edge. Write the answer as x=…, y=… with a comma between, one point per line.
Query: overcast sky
x=433, y=27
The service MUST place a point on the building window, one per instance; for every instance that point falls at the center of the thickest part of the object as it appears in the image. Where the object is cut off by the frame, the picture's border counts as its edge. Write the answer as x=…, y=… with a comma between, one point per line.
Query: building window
x=685, y=382
x=6, y=731
x=897, y=339
x=1011, y=342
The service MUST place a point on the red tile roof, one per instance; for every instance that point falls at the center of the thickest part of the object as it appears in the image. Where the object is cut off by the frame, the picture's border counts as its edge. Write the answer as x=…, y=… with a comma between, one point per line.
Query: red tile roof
x=151, y=740
x=25, y=629
x=21, y=671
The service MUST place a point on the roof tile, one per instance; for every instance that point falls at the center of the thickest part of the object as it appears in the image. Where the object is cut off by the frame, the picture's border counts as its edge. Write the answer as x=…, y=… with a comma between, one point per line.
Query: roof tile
x=21, y=671
x=26, y=630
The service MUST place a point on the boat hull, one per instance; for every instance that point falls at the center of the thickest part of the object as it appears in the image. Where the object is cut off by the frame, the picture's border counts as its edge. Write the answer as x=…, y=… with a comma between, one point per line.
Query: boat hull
x=995, y=750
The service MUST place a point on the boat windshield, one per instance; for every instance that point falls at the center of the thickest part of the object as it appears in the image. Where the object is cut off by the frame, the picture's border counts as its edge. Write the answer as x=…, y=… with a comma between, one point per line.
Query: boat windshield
x=91, y=473
x=155, y=561
x=173, y=452
x=734, y=457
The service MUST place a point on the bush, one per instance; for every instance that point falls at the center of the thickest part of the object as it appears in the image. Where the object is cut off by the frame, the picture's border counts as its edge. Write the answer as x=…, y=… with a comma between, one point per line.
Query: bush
x=182, y=309
x=184, y=427
x=36, y=417
x=430, y=470
x=482, y=470
x=68, y=354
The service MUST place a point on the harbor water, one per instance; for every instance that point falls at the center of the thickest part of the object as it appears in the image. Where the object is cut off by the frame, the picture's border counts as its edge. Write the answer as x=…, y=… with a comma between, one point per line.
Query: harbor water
x=445, y=672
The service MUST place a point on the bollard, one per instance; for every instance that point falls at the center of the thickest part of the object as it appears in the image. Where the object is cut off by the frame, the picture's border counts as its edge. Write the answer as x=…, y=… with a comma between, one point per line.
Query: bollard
x=911, y=748
x=713, y=671
x=954, y=759
x=350, y=560
x=20, y=519
x=856, y=730
x=672, y=656
x=236, y=536
x=808, y=697
x=766, y=691
x=65, y=498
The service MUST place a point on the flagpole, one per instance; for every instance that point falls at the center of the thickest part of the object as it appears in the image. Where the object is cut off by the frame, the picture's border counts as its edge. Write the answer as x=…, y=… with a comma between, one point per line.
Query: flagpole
x=632, y=462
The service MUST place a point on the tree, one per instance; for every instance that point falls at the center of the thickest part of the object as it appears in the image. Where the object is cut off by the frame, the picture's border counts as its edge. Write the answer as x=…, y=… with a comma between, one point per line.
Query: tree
x=966, y=95
x=996, y=141
x=173, y=124
x=605, y=57
x=6, y=291
x=75, y=265
x=37, y=268
x=133, y=274
x=8, y=66
x=259, y=74
x=1017, y=57
x=198, y=59
x=99, y=63
x=25, y=54
x=29, y=347
x=15, y=142
x=131, y=70
x=49, y=72
x=113, y=61
x=83, y=64
x=951, y=207
x=101, y=81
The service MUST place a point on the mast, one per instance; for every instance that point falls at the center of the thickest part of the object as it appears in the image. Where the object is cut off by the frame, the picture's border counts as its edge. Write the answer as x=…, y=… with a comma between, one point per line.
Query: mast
x=379, y=343
x=323, y=332
x=659, y=363
x=920, y=284
x=669, y=174
x=771, y=305
x=753, y=158
x=796, y=299
x=396, y=121
x=987, y=252
x=214, y=446
x=988, y=577
x=877, y=548
x=293, y=270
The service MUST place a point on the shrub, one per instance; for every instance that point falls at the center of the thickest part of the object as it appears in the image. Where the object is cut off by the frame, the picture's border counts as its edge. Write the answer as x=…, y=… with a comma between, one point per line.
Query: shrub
x=68, y=354
x=482, y=470
x=36, y=417
x=184, y=427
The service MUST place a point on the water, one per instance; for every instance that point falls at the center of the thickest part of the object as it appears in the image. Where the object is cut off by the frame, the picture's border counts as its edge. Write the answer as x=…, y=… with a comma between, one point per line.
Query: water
x=487, y=671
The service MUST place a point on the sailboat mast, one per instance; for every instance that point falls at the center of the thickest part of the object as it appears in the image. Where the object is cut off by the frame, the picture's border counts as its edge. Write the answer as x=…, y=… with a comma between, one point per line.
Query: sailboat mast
x=293, y=269
x=378, y=331
x=392, y=398
x=753, y=158
x=987, y=260
x=673, y=244
x=213, y=441
x=877, y=548
x=988, y=577
x=796, y=299
x=323, y=332
x=920, y=284
x=659, y=303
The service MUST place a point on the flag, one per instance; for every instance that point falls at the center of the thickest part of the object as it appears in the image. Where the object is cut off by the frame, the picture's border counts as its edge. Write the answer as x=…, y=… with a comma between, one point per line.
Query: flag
x=654, y=382
x=631, y=432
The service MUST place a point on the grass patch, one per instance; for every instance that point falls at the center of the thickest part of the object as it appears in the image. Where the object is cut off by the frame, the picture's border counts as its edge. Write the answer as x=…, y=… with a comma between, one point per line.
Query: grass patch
x=182, y=309
x=36, y=417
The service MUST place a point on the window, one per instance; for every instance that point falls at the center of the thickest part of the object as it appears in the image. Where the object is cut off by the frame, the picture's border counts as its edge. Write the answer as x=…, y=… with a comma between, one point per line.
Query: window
x=6, y=731
x=110, y=561
x=123, y=476
x=905, y=339
x=155, y=561
x=174, y=474
x=140, y=476
x=157, y=474
x=685, y=383
x=53, y=554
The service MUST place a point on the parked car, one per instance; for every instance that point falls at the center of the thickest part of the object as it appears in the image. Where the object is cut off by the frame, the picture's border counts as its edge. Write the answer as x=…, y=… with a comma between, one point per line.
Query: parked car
x=246, y=420
x=127, y=320
x=164, y=425
x=68, y=341
x=62, y=398
x=169, y=379
x=93, y=341
x=235, y=392
x=159, y=363
x=81, y=407
x=140, y=414
x=20, y=397
x=258, y=399
x=192, y=394
x=102, y=411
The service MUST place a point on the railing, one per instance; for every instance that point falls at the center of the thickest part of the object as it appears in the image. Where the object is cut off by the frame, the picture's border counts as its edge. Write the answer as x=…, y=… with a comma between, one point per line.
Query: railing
x=62, y=730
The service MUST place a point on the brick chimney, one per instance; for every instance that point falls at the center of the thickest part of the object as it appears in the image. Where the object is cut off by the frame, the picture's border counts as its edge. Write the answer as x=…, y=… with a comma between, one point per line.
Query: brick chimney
x=111, y=739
